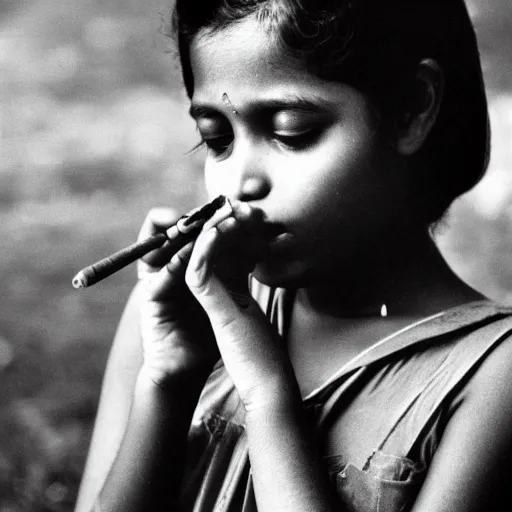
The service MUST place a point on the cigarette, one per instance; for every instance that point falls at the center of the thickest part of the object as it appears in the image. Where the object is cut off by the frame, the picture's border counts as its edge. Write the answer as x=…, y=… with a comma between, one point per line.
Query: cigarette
x=185, y=230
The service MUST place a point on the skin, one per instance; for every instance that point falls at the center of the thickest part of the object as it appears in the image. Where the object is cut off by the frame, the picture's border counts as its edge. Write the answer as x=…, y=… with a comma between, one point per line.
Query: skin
x=297, y=149
x=317, y=173
x=307, y=153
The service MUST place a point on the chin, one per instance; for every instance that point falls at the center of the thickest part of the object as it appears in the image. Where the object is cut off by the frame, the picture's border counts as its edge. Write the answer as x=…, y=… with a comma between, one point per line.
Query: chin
x=291, y=276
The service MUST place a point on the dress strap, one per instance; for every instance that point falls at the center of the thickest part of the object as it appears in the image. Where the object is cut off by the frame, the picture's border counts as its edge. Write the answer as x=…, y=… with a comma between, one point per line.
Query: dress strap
x=415, y=419
x=424, y=331
x=471, y=332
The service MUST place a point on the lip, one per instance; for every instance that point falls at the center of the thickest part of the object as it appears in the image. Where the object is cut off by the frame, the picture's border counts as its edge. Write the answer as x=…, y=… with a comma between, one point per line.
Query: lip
x=271, y=231
x=277, y=238
x=274, y=239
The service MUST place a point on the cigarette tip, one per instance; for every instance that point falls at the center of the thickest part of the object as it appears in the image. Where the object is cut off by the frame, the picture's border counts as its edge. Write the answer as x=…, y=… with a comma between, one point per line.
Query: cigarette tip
x=217, y=203
x=79, y=280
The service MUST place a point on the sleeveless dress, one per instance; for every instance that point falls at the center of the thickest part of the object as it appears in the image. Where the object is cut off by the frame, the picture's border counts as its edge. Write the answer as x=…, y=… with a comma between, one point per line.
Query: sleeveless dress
x=387, y=408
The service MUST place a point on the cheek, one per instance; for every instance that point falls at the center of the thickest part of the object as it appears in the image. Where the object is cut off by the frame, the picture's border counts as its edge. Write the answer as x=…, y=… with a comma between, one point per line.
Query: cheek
x=328, y=176
x=337, y=197
x=215, y=182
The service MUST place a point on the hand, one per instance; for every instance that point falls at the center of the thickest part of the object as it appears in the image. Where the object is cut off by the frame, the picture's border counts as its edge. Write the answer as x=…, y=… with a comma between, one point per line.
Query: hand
x=217, y=275
x=177, y=338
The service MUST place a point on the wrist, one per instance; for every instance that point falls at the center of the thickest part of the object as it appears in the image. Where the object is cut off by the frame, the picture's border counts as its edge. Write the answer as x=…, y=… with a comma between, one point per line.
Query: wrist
x=183, y=385
x=277, y=396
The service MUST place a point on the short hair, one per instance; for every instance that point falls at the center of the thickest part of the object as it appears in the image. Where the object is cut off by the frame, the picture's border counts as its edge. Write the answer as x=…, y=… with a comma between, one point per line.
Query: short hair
x=376, y=46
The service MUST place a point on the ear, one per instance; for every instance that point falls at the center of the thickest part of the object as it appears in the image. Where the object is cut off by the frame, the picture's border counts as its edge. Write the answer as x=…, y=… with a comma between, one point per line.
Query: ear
x=422, y=107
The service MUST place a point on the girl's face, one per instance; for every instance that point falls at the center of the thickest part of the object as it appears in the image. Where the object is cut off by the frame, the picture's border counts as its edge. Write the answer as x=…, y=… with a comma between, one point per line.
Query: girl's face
x=302, y=150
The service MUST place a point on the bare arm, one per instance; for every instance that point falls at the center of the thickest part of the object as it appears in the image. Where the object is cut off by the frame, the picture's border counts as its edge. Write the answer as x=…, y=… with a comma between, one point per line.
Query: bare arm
x=471, y=471
x=162, y=353
x=467, y=473
x=137, y=451
x=473, y=464
x=285, y=463
x=123, y=366
x=148, y=469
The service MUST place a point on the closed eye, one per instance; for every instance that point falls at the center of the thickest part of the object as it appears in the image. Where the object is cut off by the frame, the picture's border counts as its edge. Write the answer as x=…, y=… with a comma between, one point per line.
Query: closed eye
x=218, y=145
x=216, y=134
x=299, y=141
x=299, y=128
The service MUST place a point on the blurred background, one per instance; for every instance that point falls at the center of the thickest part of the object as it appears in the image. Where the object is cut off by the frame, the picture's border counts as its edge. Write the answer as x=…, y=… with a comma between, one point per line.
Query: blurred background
x=94, y=132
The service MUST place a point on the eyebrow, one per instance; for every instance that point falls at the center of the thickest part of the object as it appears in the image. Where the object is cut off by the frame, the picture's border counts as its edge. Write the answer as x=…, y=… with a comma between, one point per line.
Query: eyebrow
x=313, y=103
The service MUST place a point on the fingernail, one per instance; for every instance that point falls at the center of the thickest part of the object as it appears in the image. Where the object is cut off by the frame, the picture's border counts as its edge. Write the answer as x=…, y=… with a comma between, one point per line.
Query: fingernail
x=172, y=232
x=242, y=211
x=173, y=264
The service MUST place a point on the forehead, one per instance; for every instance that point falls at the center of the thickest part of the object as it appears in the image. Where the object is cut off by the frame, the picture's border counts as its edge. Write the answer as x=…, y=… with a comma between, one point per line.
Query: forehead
x=244, y=60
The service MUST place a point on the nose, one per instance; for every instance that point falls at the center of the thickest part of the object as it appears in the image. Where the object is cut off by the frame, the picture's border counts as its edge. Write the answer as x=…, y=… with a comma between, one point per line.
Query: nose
x=252, y=182
x=252, y=188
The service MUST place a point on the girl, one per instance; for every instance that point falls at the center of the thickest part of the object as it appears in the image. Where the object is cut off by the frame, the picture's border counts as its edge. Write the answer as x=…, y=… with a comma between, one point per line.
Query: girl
x=355, y=372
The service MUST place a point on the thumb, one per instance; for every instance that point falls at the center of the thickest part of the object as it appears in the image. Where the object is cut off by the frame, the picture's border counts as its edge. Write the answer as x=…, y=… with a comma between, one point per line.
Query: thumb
x=159, y=284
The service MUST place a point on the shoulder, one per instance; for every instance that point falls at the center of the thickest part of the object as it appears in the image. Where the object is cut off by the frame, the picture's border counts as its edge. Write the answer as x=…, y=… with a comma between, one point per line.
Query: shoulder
x=486, y=349
x=472, y=464
x=492, y=379
x=483, y=413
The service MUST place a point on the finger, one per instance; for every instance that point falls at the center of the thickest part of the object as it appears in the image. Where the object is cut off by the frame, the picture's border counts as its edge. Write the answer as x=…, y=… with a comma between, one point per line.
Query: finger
x=221, y=247
x=202, y=280
x=158, y=220
x=164, y=220
x=241, y=233
x=223, y=213
x=160, y=284
x=217, y=242
x=241, y=211
x=248, y=216
x=229, y=222
x=234, y=254
x=238, y=246
x=200, y=263
x=220, y=306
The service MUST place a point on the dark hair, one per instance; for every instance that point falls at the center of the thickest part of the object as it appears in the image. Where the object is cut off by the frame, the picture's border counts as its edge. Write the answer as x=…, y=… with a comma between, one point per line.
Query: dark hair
x=376, y=46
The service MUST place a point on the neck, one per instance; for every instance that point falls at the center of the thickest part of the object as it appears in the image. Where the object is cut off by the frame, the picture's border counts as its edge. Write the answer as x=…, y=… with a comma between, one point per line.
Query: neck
x=406, y=274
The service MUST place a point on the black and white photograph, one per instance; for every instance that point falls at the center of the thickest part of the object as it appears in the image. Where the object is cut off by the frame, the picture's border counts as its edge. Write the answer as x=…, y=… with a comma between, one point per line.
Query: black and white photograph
x=257, y=256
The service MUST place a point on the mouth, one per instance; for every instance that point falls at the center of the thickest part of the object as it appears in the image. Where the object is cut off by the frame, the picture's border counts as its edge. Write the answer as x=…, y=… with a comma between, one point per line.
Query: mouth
x=273, y=231
x=265, y=238
x=270, y=232
x=277, y=238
